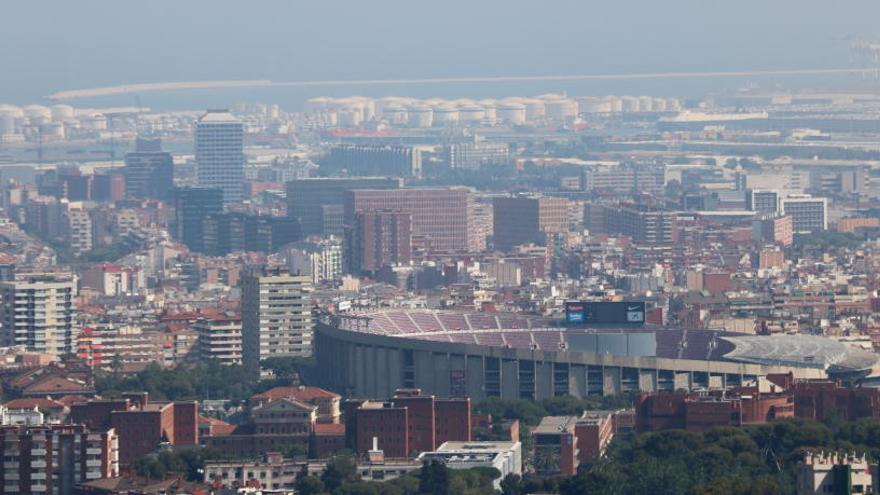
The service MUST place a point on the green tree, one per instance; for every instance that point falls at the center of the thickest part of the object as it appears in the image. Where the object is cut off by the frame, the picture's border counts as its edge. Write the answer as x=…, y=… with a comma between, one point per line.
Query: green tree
x=340, y=470
x=511, y=485
x=309, y=485
x=434, y=479
x=358, y=488
x=731, y=485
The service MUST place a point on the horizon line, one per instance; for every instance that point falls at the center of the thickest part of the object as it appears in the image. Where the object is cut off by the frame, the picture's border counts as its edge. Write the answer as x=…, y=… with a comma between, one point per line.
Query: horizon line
x=255, y=83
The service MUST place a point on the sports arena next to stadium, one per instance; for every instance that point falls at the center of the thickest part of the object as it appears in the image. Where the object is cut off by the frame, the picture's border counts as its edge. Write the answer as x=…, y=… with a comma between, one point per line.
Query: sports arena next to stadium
x=598, y=349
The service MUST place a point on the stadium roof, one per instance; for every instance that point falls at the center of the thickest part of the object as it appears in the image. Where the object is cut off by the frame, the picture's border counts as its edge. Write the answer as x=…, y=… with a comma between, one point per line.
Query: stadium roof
x=799, y=350
x=511, y=330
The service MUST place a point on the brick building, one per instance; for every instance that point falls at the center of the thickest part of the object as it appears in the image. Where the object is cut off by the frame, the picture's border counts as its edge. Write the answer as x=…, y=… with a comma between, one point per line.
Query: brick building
x=594, y=431
x=818, y=399
x=284, y=417
x=774, y=228
x=439, y=215
x=141, y=425
x=328, y=403
x=378, y=239
x=556, y=446
x=527, y=220
x=683, y=410
x=562, y=443
x=410, y=422
x=852, y=225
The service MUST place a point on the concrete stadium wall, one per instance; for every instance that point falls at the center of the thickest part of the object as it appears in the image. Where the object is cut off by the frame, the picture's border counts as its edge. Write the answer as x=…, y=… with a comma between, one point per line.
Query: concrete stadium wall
x=364, y=365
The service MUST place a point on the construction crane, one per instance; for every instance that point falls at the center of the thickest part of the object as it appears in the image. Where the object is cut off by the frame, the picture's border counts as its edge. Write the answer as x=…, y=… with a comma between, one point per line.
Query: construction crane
x=866, y=53
x=140, y=112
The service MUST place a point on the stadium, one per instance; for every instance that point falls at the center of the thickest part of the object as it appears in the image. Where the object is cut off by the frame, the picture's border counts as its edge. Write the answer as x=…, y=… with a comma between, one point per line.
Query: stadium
x=513, y=356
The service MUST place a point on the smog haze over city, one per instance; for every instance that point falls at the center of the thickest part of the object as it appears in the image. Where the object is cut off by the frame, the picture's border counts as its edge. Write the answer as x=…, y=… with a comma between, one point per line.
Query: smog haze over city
x=435, y=248
x=53, y=46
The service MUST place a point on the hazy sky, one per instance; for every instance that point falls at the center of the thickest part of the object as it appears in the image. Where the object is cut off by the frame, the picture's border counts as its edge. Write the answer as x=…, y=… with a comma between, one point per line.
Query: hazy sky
x=46, y=46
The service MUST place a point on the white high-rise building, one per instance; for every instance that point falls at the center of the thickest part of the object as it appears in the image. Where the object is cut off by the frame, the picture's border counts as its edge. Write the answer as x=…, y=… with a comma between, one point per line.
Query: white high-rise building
x=220, y=154
x=808, y=213
x=320, y=260
x=79, y=229
x=276, y=317
x=38, y=313
x=220, y=338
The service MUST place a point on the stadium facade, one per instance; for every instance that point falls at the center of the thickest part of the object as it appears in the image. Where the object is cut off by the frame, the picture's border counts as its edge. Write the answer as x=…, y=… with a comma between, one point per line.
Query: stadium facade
x=480, y=355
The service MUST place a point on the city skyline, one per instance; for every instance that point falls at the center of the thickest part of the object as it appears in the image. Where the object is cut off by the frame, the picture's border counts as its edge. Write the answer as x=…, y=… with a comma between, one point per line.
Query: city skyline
x=413, y=248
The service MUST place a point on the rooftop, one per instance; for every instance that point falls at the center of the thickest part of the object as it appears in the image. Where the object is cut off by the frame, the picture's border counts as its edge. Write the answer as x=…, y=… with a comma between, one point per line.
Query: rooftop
x=554, y=425
x=218, y=116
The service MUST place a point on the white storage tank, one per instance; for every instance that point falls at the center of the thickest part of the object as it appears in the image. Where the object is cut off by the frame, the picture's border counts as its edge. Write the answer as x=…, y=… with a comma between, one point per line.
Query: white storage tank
x=394, y=114
x=421, y=116
x=551, y=96
x=490, y=113
x=490, y=109
x=561, y=109
x=53, y=130
x=316, y=104
x=630, y=104
x=14, y=110
x=673, y=105
x=337, y=104
x=646, y=104
x=392, y=102
x=349, y=117
x=7, y=122
x=535, y=109
x=471, y=114
x=38, y=114
x=445, y=115
x=62, y=113
x=512, y=113
x=368, y=108
x=95, y=121
x=614, y=103
x=659, y=104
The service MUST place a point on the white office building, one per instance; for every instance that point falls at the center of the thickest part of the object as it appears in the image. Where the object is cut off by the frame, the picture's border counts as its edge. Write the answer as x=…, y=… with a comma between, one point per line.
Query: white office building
x=808, y=213
x=506, y=457
x=220, y=154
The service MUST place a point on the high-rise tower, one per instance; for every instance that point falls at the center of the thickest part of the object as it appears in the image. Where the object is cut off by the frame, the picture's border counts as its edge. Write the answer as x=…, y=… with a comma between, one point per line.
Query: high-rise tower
x=220, y=155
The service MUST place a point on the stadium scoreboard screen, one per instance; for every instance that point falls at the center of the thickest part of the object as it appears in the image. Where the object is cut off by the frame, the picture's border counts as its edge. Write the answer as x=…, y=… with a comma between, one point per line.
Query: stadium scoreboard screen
x=601, y=312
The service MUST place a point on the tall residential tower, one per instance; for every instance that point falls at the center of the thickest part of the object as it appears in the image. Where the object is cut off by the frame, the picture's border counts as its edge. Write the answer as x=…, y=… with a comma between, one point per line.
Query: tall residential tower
x=276, y=317
x=38, y=313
